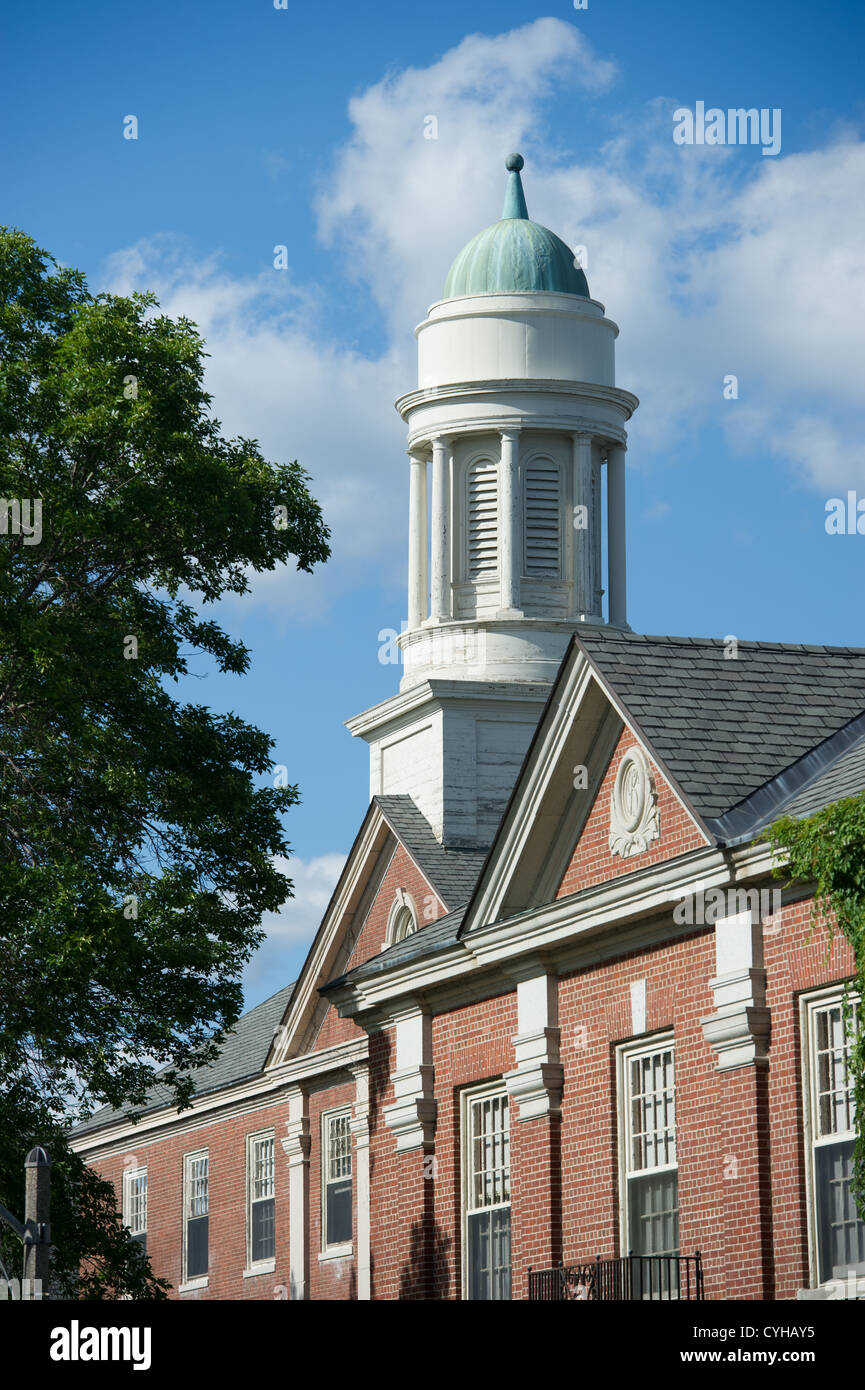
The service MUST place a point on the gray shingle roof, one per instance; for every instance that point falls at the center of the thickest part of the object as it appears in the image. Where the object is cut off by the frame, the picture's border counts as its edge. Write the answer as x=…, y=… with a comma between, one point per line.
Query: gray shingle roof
x=243, y=1055
x=845, y=777
x=453, y=873
x=437, y=936
x=725, y=727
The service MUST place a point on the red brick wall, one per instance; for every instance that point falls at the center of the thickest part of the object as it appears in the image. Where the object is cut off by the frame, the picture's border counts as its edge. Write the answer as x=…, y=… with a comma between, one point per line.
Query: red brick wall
x=592, y=862
x=740, y=1140
x=798, y=959
x=225, y=1140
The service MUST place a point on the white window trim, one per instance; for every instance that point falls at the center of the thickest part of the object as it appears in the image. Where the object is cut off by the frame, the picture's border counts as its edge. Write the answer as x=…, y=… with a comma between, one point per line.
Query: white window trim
x=257, y=1266
x=402, y=899
x=809, y=1005
x=340, y=1249
x=126, y=1197
x=626, y=1053
x=467, y=1098
x=199, y=1281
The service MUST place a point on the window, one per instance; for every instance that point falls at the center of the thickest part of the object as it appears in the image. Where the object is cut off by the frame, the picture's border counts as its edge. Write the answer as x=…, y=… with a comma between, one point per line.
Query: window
x=838, y=1236
x=196, y=1205
x=260, y=1189
x=336, y=1178
x=483, y=522
x=647, y=1141
x=402, y=920
x=135, y=1203
x=543, y=513
x=486, y=1194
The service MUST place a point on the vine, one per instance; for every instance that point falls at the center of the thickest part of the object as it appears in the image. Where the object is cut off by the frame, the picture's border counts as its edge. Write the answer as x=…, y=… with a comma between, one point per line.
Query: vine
x=828, y=850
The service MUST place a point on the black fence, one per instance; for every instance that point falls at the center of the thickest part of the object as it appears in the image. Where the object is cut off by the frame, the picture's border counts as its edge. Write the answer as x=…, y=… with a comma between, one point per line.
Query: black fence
x=626, y=1279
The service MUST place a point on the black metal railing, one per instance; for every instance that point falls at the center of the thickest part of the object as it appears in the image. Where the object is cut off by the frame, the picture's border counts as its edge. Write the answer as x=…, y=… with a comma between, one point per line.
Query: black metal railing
x=625, y=1279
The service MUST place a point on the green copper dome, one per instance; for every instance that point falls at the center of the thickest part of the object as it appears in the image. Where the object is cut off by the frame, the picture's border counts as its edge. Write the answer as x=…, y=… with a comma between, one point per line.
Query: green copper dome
x=515, y=254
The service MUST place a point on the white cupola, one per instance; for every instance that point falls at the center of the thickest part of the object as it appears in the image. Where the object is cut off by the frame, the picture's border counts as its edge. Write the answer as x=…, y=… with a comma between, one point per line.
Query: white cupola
x=515, y=421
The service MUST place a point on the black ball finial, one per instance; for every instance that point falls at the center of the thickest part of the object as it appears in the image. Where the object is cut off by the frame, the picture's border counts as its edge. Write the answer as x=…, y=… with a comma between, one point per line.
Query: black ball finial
x=514, y=162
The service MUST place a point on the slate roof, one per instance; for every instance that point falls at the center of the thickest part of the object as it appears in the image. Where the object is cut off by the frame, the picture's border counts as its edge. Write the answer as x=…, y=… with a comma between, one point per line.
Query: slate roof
x=242, y=1056
x=436, y=936
x=779, y=730
x=845, y=777
x=453, y=873
x=725, y=727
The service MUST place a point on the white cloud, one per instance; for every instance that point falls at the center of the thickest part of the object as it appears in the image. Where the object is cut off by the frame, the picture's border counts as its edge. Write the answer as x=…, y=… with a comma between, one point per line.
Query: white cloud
x=712, y=260
x=291, y=930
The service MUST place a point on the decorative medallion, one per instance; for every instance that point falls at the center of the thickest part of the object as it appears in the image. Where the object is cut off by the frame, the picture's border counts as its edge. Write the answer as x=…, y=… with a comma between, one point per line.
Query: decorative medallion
x=634, y=818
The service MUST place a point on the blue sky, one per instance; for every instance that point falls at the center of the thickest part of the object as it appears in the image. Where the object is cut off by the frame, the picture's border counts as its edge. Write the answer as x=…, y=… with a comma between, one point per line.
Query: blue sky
x=304, y=127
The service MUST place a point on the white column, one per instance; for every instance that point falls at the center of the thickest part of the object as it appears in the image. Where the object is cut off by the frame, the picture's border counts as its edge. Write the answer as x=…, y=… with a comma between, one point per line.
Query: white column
x=412, y=1116
x=296, y=1145
x=417, y=542
x=360, y=1130
x=599, y=453
x=440, y=606
x=510, y=530
x=618, y=615
x=738, y=1030
x=585, y=523
x=536, y=1085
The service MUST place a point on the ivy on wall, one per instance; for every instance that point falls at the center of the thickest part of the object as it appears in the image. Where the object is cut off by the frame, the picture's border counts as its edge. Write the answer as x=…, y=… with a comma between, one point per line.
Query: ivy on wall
x=828, y=850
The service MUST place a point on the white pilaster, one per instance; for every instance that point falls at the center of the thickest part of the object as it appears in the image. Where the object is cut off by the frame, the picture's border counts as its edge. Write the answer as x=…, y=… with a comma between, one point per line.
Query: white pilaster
x=412, y=1115
x=616, y=560
x=360, y=1131
x=418, y=543
x=536, y=1084
x=738, y=1030
x=440, y=604
x=510, y=516
x=583, y=594
x=296, y=1145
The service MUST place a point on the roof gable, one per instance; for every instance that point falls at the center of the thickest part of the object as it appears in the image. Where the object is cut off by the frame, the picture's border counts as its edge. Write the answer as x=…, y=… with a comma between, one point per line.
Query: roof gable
x=553, y=800
x=392, y=825
x=724, y=725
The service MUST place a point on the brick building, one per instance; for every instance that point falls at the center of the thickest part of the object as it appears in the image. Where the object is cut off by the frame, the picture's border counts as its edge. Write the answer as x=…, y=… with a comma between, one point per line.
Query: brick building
x=558, y=1007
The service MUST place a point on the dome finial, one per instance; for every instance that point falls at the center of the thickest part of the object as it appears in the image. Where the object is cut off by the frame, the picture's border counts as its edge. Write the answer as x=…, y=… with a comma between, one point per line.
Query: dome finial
x=515, y=199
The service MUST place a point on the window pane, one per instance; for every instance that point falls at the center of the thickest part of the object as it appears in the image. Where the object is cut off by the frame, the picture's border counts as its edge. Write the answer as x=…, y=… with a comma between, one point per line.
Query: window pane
x=196, y=1247
x=263, y=1230
x=652, y=1110
x=653, y=1214
x=833, y=1080
x=489, y=1151
x=489, y=1234
x=338, y=1212
x=338, y=1147
x=262, y=1168
x=841, y=1235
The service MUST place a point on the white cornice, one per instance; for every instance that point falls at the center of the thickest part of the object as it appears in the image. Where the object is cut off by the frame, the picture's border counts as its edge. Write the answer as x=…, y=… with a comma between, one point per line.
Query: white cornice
x=609, y=919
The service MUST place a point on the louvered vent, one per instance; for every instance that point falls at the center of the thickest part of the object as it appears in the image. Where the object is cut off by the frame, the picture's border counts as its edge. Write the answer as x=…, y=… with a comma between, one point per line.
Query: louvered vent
x=543, y=518
x=483, y=527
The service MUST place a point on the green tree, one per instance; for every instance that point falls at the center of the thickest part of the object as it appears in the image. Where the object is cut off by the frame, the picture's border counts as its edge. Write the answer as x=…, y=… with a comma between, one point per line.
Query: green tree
x=137, y=832
x=827, y=850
